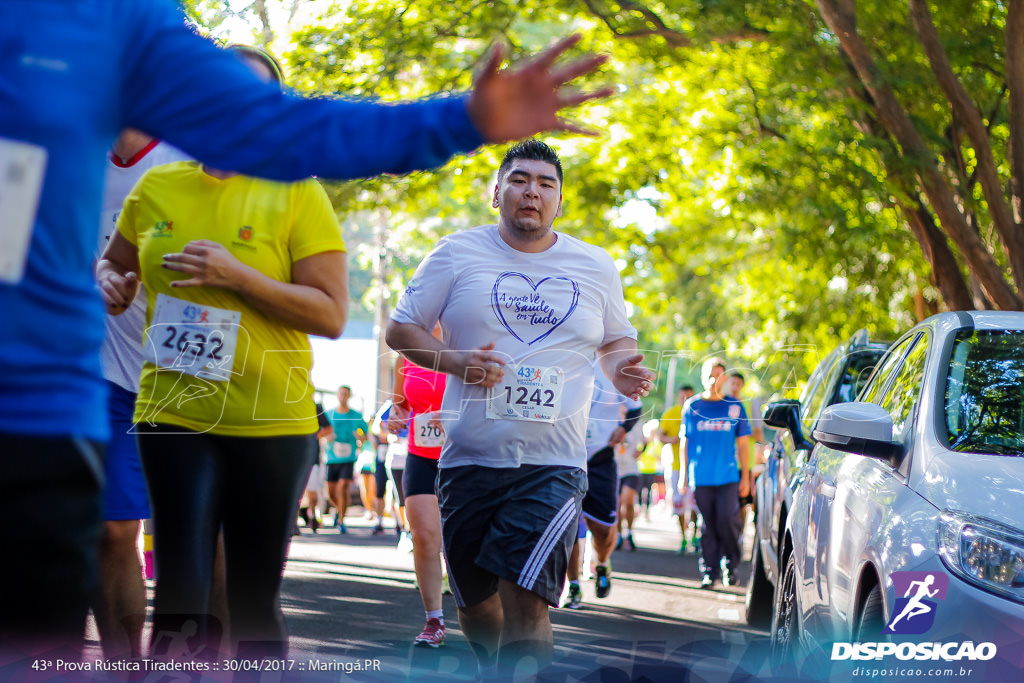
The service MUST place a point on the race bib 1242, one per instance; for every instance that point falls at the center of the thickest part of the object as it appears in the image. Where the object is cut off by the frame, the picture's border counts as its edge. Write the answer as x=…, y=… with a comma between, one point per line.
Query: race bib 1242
x=533, y=394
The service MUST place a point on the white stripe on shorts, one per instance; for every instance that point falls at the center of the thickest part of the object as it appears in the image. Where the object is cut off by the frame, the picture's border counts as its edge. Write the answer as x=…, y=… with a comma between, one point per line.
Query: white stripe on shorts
x=547, y=542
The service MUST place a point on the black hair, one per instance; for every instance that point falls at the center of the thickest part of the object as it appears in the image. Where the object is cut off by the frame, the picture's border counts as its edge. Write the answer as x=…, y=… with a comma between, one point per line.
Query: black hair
x=530, y=149
x=261, y=56
x=686, y=387
x=738, y=374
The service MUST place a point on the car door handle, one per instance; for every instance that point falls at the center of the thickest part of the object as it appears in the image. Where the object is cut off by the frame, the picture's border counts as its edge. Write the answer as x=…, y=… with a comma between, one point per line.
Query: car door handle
x=828, y=489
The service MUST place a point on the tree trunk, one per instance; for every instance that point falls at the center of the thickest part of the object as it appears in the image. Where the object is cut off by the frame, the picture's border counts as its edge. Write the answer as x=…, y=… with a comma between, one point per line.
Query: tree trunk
x=967, y=113
x=923, y=307
x=946, y=274
x=892, y=115
x=1015, y=86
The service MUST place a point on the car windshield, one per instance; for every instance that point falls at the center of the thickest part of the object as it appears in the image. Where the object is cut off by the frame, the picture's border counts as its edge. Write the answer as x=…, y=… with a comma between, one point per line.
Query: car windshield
x=984, y=404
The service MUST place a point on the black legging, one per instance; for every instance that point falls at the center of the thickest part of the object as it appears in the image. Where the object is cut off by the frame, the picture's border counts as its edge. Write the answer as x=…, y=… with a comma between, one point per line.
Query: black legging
x=199, y=483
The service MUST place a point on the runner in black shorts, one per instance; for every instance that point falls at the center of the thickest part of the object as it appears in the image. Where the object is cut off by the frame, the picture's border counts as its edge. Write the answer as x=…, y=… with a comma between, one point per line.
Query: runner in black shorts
x=601, y=505
x=349, y=430
x=510, y=477
x=380, y=472
x=498, y=509
x=416, y=397
x=627, y=462
x=309, y=506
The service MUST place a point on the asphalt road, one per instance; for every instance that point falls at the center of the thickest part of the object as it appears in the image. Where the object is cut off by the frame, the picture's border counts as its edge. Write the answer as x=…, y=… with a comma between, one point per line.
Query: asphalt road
x=351, y=598
x=353, y=610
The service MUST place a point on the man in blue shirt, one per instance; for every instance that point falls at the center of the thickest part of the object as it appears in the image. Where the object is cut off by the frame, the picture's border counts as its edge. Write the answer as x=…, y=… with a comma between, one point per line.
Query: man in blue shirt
x=714, y=432
x=72, y=76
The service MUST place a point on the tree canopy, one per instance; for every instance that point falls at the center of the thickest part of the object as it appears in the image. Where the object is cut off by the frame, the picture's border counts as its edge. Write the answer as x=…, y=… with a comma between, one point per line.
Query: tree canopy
x=771, y=176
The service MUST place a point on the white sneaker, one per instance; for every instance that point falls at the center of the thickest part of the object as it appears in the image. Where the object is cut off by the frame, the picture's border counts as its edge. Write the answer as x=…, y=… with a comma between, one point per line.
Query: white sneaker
x=405, y=542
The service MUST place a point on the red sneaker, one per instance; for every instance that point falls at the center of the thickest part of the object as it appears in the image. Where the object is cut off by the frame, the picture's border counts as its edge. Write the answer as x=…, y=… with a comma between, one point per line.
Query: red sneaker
x=433, y=634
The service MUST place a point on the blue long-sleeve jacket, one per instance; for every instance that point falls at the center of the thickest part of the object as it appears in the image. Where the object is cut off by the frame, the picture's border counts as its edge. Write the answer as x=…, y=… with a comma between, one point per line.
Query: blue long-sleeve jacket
x=73, y=73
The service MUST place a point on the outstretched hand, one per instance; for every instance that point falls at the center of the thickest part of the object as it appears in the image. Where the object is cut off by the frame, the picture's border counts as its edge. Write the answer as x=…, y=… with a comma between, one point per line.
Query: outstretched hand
x=511, y=104
x=632, y=379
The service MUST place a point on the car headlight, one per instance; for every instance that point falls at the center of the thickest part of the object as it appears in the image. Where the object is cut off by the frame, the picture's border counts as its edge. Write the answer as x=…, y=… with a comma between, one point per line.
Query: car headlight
x=983, y=552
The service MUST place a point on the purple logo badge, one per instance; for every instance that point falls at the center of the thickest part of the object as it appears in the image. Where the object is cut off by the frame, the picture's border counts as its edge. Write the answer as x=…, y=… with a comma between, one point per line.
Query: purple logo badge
x=914, y=611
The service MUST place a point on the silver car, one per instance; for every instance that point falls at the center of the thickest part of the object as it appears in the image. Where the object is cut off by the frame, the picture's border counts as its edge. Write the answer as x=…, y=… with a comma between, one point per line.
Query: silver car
x=904, y=549
x=839, y=377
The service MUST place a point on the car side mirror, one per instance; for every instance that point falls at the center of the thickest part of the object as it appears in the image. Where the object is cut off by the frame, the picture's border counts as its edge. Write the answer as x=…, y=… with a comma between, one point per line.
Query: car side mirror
x=863, y=428
x=785, y=414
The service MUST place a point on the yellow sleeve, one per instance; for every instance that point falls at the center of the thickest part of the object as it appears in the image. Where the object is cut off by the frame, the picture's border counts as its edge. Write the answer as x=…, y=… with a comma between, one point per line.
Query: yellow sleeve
x=126, y=220
x=316, y=227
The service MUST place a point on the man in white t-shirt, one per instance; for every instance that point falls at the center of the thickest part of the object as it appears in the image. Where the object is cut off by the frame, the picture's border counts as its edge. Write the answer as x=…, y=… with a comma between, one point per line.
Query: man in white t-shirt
x=523, y=311
x=120, y=607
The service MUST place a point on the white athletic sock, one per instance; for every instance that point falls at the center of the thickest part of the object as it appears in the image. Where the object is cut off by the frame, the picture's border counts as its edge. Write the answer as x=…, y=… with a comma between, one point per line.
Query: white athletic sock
x=436, y=614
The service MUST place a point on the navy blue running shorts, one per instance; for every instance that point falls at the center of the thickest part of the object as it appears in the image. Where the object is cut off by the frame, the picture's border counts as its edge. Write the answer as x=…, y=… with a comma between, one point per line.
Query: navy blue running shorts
x=419, y=478
x=648, y=480
x=380, y=475
x=337, y=471
x=516, y=523
x=630, y=481
x=602, y=501
x=124, y=496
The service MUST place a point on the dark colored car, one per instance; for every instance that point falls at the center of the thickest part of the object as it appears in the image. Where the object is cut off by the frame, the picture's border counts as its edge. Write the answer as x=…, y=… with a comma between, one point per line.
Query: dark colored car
x=837, y=379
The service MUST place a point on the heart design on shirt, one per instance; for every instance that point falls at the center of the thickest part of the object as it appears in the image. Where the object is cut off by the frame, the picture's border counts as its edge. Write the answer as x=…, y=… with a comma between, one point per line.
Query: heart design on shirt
x=529, y=311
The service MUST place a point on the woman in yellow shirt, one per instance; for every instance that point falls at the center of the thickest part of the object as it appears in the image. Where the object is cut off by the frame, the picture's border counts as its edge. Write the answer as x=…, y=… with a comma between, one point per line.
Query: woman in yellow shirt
x=237, y=272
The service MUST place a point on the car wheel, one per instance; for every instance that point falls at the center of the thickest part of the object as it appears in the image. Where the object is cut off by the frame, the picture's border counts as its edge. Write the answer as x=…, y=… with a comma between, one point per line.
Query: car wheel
x=785, y=630
x=760, y=593
x=872, y=617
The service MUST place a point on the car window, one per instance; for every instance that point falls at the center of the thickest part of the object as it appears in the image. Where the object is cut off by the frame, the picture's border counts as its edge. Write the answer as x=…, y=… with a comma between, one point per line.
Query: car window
x=813, y=399
x=901, y=396
x=816, y=376
x=856, y=374
x=984, y=402
x=882, y=374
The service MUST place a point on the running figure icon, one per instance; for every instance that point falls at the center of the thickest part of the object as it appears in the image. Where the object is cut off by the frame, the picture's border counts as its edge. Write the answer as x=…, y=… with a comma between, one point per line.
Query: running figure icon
x=915, y=605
